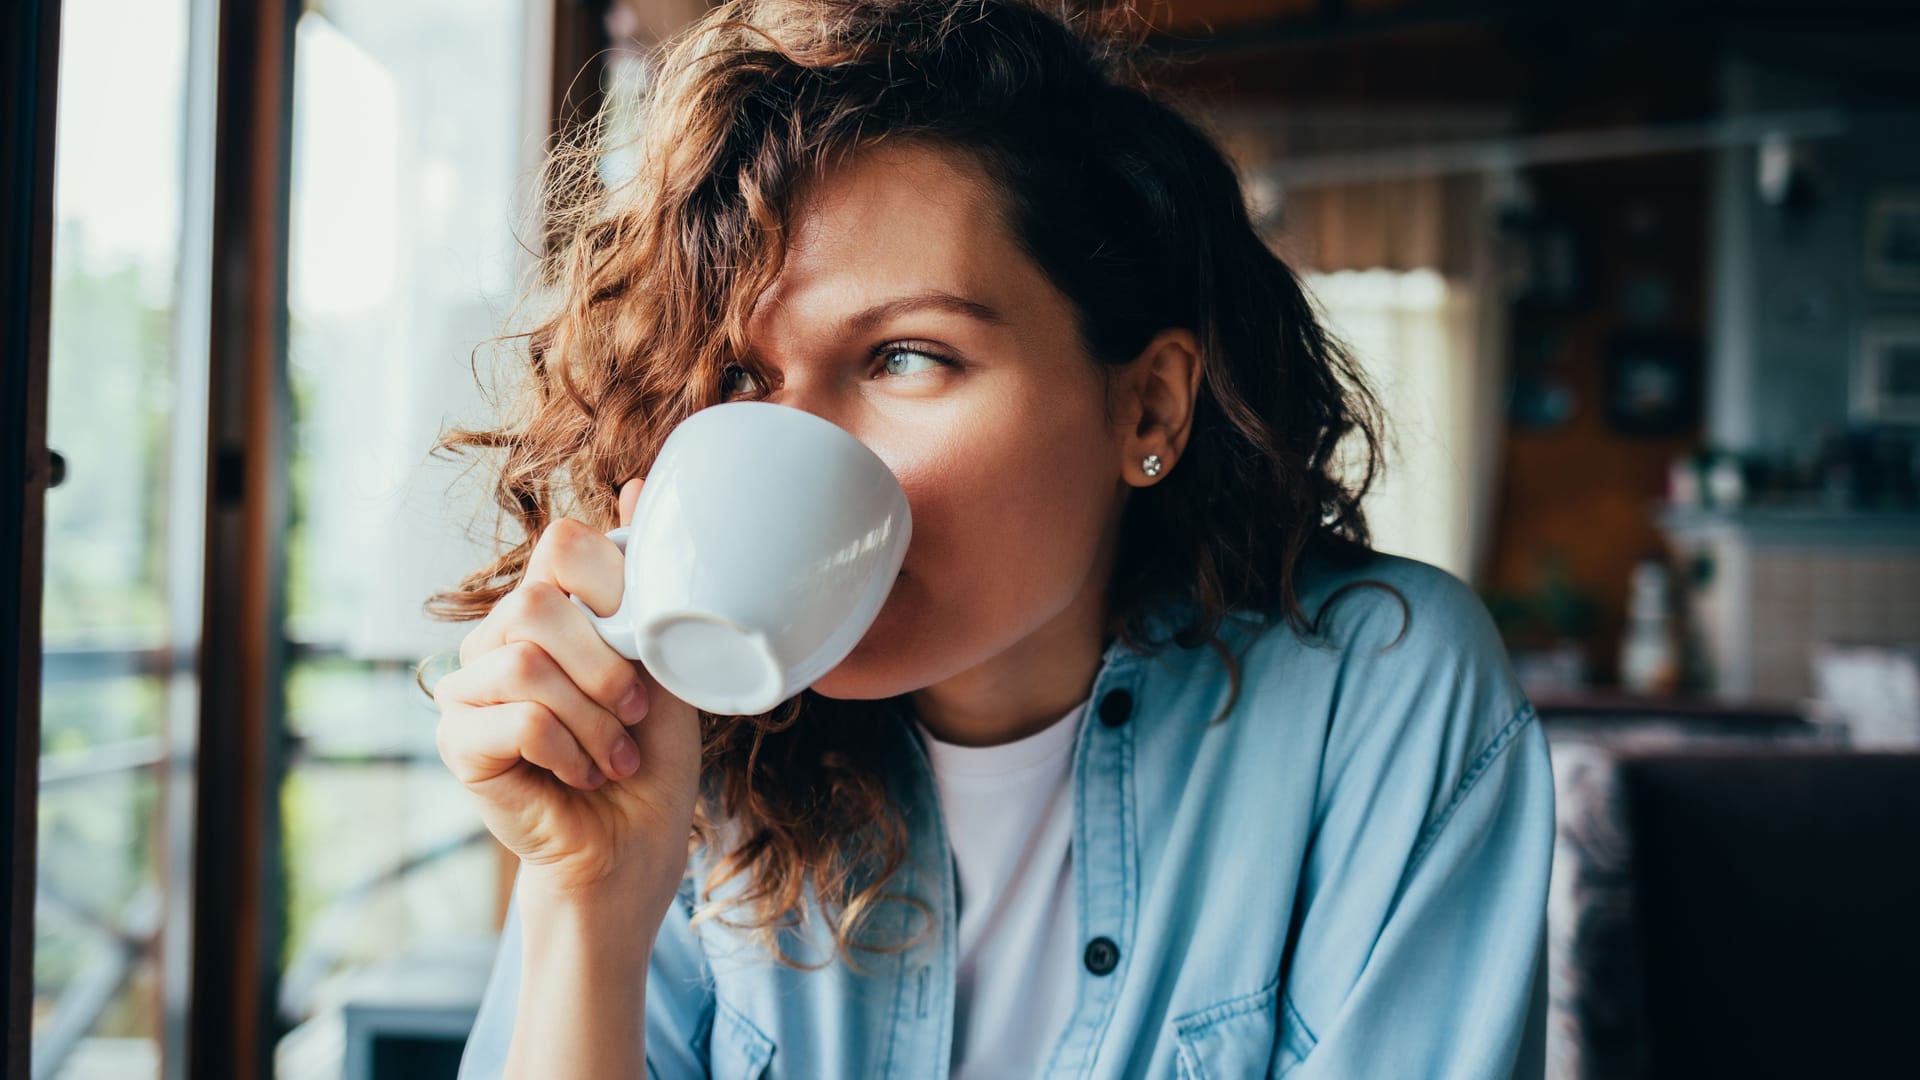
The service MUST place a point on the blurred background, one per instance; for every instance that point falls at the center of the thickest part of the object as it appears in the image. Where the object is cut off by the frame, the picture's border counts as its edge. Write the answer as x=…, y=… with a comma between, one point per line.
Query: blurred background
x=1640, y=284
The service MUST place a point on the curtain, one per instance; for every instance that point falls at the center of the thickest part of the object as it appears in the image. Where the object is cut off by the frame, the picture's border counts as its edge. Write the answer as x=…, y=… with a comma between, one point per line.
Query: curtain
x=1416, y=335
x=1400, y=265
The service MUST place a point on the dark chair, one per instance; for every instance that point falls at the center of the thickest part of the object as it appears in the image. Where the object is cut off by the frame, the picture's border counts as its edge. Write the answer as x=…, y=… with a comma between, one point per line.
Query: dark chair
x=1777, y=911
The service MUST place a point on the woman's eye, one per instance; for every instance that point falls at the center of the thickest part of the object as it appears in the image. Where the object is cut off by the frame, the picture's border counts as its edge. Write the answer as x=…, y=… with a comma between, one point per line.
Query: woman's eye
x=891, y=352
x=726, y=386
x=895, y=360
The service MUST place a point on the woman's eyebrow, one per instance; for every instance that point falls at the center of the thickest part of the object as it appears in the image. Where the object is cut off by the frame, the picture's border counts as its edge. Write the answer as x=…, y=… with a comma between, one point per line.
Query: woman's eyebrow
x=861, y=322
x=935, y=299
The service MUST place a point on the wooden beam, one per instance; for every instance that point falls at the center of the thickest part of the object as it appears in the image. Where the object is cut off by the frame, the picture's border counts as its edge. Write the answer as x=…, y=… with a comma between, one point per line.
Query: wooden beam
x=237, y=924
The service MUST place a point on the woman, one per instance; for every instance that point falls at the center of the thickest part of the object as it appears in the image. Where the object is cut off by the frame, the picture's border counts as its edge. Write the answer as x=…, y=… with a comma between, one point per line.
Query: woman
x=1149, y=765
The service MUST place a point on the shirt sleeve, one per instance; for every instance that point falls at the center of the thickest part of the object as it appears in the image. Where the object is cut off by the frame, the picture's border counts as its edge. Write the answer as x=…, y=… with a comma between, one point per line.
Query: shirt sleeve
x=1419, y=937
x=1450, y=979
x=679, y=1001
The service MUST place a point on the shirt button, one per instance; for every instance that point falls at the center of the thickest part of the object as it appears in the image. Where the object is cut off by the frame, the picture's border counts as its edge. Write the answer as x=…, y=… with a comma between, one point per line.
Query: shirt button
x=1102, y=955
x=1116, y=707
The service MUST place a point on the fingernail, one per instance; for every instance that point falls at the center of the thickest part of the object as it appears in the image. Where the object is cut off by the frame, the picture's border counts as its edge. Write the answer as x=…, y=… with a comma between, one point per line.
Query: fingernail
x=595, y=777
x=633, y=707
x=625, y=757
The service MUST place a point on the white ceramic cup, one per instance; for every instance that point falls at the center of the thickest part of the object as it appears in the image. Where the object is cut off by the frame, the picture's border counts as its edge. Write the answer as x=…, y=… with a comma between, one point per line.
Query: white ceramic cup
x=764, y=544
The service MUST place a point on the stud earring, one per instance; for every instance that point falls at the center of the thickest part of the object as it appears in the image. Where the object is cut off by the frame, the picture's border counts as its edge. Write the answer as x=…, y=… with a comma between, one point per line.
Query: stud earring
x=1151, y=465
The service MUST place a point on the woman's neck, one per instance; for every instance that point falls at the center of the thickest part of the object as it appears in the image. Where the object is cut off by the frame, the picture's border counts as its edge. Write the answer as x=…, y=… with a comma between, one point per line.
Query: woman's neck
x=1021, y=690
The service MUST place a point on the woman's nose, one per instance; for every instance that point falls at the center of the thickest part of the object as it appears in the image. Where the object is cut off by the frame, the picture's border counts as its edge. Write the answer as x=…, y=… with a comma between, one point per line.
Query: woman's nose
x=839, y=409
x=818, y=398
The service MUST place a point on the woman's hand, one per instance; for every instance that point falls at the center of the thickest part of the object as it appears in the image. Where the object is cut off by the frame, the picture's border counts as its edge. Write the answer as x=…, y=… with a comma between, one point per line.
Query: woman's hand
x=585, y=768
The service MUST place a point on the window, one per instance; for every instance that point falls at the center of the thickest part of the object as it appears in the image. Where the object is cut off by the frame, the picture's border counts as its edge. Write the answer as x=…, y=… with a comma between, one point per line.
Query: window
x=415, y=134
x=121, y=607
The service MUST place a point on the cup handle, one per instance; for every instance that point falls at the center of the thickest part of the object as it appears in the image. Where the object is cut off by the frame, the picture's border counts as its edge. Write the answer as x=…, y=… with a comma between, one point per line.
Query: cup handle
x=616, y=629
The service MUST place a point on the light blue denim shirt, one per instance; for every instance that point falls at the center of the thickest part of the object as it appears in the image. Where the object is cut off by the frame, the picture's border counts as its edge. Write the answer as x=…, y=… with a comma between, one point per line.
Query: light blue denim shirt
x=1345, y=878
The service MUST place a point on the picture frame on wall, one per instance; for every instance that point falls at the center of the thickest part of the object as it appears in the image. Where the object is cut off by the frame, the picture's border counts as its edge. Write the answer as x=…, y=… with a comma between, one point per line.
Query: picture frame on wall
x=1886, y=372
x=1893, y=240
x=1653, y=383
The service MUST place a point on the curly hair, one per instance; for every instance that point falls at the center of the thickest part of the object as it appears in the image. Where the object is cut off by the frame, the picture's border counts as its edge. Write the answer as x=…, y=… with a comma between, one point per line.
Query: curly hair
x=1127, y=204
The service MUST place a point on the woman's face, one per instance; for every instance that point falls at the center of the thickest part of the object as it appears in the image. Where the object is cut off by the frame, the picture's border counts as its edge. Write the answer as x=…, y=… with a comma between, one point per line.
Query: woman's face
x=906, y=314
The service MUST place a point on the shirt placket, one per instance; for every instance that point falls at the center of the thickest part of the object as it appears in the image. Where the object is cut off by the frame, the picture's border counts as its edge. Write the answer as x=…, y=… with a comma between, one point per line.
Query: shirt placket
x=1104, y=863
x=920, y=1035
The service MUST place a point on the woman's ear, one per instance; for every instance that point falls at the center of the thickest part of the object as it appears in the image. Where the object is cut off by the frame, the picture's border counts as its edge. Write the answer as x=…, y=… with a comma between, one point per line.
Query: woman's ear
x=1163, y=385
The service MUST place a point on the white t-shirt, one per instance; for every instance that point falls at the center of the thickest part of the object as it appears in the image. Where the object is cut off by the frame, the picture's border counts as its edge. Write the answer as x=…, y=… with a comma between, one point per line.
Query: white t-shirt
x=1009, y=812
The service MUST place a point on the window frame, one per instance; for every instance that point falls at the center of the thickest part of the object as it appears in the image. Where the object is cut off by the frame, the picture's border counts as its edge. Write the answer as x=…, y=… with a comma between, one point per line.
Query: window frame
x=29, y=59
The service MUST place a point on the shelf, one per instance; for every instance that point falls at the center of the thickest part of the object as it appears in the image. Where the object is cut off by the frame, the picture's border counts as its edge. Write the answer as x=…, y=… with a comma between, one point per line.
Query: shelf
x=1797, y=526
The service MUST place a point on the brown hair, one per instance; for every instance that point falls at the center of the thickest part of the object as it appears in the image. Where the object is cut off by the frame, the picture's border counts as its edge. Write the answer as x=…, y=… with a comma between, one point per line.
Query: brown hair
x=1123, y=201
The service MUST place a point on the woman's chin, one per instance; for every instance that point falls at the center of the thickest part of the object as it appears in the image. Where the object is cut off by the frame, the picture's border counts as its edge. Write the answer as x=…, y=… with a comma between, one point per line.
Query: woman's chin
x=872, y=669
x=862, y=676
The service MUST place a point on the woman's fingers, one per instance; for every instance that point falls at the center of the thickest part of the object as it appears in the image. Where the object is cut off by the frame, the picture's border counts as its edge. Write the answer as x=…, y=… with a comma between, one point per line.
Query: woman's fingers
x=629, y=499
x=537, y=683
x=541, y=613
x=484, y=743
x=581, y=561
x=524, y=671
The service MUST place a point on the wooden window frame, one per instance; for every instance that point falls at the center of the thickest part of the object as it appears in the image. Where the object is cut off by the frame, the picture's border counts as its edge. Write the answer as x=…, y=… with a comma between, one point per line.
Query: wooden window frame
x=237, y=884
x=29, y=81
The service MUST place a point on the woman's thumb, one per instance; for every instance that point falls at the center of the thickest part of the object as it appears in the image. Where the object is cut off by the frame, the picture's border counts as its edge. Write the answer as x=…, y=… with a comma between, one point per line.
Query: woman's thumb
x=629, y=497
